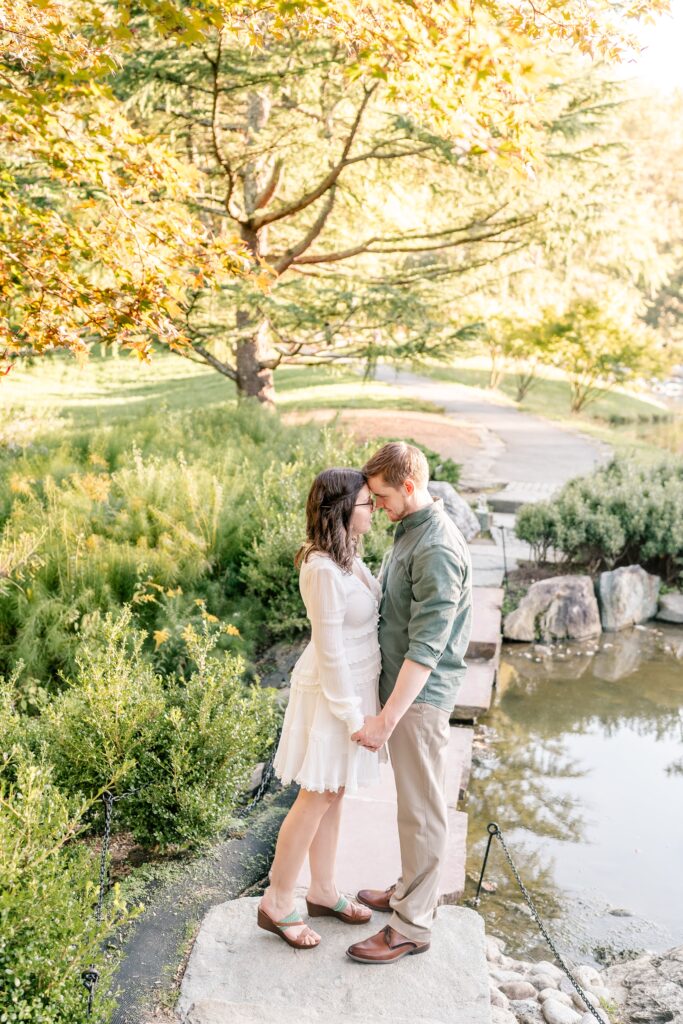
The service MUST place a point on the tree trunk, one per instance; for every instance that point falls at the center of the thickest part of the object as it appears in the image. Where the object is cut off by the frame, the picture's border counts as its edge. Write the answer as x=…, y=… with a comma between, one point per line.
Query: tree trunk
x=254, y=380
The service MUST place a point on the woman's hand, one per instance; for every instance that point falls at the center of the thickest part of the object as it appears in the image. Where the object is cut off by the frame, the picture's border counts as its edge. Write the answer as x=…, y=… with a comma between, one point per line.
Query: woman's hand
x=374, y=734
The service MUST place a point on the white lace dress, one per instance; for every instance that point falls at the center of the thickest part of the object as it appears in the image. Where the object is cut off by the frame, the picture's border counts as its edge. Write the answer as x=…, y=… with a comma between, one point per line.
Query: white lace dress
x=334, y=683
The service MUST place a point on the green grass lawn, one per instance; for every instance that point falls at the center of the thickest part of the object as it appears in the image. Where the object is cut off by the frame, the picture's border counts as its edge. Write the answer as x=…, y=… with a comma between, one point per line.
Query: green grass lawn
x=641, y=435
x=112, y=389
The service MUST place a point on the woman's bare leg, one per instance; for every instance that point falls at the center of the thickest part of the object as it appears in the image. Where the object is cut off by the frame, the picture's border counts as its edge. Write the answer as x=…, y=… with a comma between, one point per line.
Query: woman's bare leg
x=297, y=832
x=322, y=855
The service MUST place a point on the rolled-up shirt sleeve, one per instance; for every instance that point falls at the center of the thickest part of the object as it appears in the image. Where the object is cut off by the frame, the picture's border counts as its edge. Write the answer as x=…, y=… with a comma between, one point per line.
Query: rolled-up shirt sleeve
x=325, y=599
x=436, y=586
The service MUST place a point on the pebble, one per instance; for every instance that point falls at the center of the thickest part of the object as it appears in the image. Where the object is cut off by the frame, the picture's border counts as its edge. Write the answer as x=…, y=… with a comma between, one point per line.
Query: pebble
x=493, y=953
x=499, y=975
x=545, y=967
x=588, y=977
x=541, y=981
x=552, y=993
x=518, y=989
x=528, y=1012
x=556, y=1012
x=501, y=1016
x=499, y=998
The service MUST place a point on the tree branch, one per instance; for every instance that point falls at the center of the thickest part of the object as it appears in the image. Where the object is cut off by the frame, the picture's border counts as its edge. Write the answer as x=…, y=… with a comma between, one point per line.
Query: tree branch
x=319, y=223
x=327, y=182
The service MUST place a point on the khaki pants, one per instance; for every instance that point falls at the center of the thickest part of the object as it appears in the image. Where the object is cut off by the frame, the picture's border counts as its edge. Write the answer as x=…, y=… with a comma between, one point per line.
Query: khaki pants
x=419, y=753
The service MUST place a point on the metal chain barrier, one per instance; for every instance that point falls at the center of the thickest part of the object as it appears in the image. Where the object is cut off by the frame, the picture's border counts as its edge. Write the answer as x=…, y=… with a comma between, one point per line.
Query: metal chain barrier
x=494, y=832
x=266, y=778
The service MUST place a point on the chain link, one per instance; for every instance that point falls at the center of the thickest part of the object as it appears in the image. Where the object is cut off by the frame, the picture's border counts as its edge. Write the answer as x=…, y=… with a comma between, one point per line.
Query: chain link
x=266, y=777
x=494, y=832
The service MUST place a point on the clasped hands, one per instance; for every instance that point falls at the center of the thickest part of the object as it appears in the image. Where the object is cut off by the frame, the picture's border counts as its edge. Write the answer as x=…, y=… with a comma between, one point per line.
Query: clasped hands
x=374, y=733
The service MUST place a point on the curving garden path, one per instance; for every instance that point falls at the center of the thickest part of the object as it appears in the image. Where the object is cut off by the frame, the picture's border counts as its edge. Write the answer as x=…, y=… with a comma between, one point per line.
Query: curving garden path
x=523, y=455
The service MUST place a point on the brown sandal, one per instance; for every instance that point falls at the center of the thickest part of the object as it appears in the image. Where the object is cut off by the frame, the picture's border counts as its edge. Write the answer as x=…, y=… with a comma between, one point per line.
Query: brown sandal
x=278, y=928
x=348, y=911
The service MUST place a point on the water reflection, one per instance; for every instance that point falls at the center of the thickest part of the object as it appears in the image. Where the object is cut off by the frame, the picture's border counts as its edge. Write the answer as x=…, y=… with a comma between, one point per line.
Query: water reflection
x=580, y=763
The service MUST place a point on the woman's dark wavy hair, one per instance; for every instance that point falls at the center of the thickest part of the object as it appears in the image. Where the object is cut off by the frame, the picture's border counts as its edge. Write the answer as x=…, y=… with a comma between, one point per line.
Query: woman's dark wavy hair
x=329, y=508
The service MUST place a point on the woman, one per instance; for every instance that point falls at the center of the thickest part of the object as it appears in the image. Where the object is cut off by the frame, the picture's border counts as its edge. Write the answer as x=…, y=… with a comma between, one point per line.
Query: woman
x=333, y=688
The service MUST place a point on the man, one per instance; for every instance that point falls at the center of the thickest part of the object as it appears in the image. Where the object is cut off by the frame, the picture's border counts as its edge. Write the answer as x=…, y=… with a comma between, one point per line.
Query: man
x=425, y=620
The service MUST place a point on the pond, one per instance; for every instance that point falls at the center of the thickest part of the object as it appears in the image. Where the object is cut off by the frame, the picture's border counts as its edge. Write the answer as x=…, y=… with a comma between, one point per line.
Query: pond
x=581, y=764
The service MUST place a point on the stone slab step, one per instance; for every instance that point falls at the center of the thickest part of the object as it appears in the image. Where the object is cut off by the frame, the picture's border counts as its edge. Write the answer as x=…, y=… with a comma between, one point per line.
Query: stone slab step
x=519, y=492
x=476, y=692
x=240, y=974
x=485, y=641
x=369, y=857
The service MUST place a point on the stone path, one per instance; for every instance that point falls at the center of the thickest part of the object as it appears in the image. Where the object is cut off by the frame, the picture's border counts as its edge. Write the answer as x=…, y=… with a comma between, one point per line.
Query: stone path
x=238, y=974
x=522, y=455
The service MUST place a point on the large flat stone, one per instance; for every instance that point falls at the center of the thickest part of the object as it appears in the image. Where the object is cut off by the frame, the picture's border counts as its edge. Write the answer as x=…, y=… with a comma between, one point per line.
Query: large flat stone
x=239, y=974
x=476, y=692
x=486, y=623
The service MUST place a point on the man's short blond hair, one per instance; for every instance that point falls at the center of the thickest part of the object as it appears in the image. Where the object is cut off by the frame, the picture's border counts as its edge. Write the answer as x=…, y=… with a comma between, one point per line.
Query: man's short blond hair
x=396, y=462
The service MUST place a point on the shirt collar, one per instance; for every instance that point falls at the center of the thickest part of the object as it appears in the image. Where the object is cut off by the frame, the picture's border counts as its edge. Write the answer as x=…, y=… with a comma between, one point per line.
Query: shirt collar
x=422, y=515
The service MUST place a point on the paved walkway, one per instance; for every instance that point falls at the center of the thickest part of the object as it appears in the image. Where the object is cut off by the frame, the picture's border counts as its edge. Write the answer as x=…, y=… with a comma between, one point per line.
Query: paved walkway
x=528, y=456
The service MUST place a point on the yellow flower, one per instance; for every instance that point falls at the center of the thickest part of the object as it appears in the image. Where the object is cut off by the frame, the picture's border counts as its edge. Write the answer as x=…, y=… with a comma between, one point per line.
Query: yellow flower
x=18, y=485
x=174, y=593
x=188, y=634
x=160, y=637
x=199, y=602
x=93, y=486
x=97, y=460
x=231, y=630
x=210, y=618
x=93, y=541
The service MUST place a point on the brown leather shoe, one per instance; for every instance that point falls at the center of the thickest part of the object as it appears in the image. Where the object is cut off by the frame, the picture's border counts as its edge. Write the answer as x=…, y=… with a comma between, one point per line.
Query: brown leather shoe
x=377, y=899
x=385, y=947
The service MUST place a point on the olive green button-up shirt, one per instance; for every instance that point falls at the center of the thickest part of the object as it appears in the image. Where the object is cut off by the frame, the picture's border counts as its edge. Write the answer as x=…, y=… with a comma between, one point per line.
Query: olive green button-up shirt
x=426, y=607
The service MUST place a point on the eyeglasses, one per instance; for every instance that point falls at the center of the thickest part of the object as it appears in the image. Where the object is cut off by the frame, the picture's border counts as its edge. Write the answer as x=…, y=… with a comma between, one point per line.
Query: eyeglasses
x=370, y=502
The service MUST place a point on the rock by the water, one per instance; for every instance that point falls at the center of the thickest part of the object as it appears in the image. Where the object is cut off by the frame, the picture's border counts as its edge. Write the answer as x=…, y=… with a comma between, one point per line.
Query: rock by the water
x=553, y=993
x=588, y=1018
x=628, y=596
x=457, y=508
x=499, y=998
x=546, y=967
x=556, y=1012
x=493, y=950
x=670, y=608
x=541, y=981
x=517, y=989
x=561, y=607
x=649, y=990
x=502, y=1016
x=528, y=1012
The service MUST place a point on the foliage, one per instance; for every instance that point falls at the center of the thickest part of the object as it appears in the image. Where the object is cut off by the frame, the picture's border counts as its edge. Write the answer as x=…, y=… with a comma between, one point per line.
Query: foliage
x=620, y=515
x=280, y=500
x=97, y=240
x=118, y=516
x=185, y=747
x=48, y=932
x=597, y=351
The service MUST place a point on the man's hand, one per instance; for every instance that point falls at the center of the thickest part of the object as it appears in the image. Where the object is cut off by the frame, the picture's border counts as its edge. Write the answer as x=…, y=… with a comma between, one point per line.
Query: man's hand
x=374, y=734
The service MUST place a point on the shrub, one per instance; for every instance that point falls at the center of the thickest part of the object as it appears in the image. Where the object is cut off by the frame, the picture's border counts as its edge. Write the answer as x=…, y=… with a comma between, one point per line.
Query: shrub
x=185, y=747
x=279, y=510
x=48, y=933
x=621, y=514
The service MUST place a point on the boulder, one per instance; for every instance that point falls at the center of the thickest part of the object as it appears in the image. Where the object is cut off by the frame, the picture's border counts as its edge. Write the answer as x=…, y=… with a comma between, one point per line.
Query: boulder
x=670, y=608
x=457, y=508
x=649, y=988
x=563, y=606
x=628, y=596
x=588, y=1017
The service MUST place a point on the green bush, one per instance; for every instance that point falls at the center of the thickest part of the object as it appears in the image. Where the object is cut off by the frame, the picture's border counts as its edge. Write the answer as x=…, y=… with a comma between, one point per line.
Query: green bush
x=48, y=933
x=619, y=515
x=278, y=507
x=186, y=747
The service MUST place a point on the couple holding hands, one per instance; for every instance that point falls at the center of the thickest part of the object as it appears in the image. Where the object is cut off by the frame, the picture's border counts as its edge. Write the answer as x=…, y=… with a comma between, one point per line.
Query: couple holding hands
x=382, y=669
